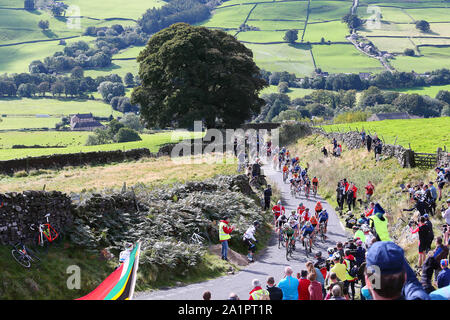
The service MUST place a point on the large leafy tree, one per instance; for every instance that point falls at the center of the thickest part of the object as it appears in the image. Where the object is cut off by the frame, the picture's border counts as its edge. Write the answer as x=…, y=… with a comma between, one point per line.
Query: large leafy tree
x=192, y=73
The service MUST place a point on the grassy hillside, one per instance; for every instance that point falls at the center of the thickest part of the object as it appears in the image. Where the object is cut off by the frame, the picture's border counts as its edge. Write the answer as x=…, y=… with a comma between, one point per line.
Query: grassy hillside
x=359, y=166
x=424, y=135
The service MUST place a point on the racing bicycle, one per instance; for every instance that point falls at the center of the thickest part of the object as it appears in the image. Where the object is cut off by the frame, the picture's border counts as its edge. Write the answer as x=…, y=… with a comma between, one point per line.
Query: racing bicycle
x=289, y=247
x=24, y=255
x=47, y=233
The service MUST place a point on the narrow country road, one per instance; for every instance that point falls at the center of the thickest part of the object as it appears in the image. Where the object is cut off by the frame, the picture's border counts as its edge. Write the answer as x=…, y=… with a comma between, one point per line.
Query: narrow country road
x=270, y=262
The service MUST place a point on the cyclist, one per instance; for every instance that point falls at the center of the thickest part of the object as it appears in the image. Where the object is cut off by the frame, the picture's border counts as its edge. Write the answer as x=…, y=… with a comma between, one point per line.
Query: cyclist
x=293, y=184
x=318, y=207
x=323, y=218
x=307, y=229
x=282, y=219
x=314, y=222
x=315, y=183
x=305, y=216
x=300, y=209
x=296, y=226
x=285, y=172
x=307, y=186
x=277, y=211
x=288, y=233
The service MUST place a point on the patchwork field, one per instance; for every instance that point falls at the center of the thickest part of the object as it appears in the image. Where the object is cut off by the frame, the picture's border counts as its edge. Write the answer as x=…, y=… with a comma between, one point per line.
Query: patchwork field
x=424, y=135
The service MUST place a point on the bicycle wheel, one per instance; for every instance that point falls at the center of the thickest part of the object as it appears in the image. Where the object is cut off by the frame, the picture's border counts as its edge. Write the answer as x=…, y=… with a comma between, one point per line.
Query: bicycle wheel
x=33, y=255
x=288, y=248
x=307, y=248
x=21, y=258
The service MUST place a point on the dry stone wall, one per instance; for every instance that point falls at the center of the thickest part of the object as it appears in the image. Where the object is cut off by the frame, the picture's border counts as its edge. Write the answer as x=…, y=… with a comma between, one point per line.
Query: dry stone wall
x=352, y=140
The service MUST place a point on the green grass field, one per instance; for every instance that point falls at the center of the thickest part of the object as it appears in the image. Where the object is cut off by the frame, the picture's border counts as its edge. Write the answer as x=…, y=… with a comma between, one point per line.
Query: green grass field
x=432, y=59
x=10, y=123
x=292, y=93
x=424, y=135
x=55, y=107
x=283, y=57
x=340, y=58
x=430, y=91
x=75, y=143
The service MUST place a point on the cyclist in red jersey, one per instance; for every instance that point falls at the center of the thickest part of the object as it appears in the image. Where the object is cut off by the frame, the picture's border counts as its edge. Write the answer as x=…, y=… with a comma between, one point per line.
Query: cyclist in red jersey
x=278, y=210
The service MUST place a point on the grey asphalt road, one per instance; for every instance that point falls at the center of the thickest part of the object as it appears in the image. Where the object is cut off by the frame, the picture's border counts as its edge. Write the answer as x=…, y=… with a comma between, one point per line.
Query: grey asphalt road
x=270, y=262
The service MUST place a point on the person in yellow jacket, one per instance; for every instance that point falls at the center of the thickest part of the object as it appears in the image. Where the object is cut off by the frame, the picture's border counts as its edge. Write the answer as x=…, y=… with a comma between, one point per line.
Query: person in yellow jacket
x=258, y=293
x=378, y=222
x=224, y=235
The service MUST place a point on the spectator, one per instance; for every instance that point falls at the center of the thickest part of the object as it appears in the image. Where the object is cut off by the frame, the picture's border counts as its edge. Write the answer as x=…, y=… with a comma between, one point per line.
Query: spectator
x=275, y=293
x=354, y=189
x=430, y=231
x=349, y=198
x=369, y=191
x=341, y=272
x=446, y=217
x=325, y=151
x=267, y=196
x=233, y=296
x=427, y=275
x=207, y=295
x=336, y=293
x=422, y=229
x=394, y=278
x=303, y=284
x=318, y=275
x=443, y=278
x=369, y=143
x=360, y=253
x=333, y=281
x=289, y=285
x=363, y=137
x=434, y=196
x=257, y=292
x=379, y=224
x=441, y=252
x=224, y=236
x=315, y=288
x=440, y=180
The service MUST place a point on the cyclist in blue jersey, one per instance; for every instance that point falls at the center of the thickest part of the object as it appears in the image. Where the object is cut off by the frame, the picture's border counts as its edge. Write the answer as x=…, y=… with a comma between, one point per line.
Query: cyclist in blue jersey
x=323, y=218
x=307, y=229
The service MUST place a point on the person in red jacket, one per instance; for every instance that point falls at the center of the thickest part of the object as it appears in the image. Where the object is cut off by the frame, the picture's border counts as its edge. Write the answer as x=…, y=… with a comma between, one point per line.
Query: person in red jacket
x=355, y=189
x=303, y=285
x=224, y=235
x=369, y=190
x=350, y=263
x=315, y=288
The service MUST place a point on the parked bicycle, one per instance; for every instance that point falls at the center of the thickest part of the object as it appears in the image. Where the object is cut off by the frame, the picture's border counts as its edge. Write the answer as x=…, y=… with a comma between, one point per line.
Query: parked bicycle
x=199, y=238
x=24, y=255
x=47, y=233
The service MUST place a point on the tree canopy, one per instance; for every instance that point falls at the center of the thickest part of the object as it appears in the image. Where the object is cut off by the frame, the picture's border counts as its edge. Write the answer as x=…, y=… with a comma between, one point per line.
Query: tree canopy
x=192, y=73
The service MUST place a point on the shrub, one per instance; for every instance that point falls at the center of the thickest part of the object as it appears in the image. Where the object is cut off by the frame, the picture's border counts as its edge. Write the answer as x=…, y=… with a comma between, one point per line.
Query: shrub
x=127, y=135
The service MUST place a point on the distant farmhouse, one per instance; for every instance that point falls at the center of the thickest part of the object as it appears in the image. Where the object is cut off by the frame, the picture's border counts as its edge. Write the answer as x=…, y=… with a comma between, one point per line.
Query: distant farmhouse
x=84, y=122
x=391, y=116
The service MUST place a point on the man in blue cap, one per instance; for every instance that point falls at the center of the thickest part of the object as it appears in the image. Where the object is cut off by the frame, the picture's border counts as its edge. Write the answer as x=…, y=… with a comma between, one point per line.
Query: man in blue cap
x=389, y=276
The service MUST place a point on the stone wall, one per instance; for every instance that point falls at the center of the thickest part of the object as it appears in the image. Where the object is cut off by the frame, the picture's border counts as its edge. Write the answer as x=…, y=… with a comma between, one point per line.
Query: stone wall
x=72, y=159
x=21, y=210
x=352, y=140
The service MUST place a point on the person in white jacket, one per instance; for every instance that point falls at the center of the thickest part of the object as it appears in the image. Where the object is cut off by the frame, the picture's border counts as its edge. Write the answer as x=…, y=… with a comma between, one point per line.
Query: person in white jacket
x=250, y=240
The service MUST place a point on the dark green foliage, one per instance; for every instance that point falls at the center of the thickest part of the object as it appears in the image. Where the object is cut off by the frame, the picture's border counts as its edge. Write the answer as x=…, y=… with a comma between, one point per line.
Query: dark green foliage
x=409, y=52
x=423, y=25
x=193, y=73
x=127, y=135
x=291, y=36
